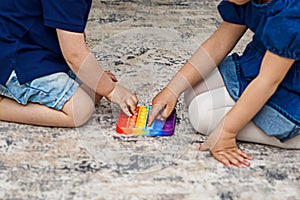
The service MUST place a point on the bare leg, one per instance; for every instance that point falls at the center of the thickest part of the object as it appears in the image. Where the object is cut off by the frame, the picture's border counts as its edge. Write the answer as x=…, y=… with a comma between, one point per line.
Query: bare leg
x=74, y=113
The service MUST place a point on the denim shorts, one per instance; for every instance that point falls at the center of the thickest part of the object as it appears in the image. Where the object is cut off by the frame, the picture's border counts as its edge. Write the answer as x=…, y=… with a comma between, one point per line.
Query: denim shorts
x=52, y=90
x=270, y=120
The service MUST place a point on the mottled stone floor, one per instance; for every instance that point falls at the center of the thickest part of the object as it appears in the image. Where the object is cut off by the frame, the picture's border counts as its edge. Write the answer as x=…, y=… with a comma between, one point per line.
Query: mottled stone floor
x=143, y=42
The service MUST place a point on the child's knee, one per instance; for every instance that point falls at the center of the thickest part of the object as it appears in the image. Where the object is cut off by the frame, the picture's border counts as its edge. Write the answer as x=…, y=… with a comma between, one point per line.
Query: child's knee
x=79, y=108
x=83, y=115
x=200, y=113
x=207, y=109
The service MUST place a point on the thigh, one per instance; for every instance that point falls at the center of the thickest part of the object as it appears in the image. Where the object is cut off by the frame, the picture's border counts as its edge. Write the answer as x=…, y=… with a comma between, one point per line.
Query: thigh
x=52, y=90
x=212, y=81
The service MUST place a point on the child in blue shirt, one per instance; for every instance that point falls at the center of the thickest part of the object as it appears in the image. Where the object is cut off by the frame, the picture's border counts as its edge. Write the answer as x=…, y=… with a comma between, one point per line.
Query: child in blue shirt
x=43, y=56
x=253, y=97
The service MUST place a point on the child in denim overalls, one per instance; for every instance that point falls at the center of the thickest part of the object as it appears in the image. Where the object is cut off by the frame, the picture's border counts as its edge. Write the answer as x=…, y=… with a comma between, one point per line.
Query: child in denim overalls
x=43, y=50
x=254, y=97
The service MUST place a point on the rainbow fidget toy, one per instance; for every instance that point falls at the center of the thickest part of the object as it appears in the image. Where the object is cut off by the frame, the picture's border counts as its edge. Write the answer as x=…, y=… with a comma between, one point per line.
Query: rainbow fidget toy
x=137, y=124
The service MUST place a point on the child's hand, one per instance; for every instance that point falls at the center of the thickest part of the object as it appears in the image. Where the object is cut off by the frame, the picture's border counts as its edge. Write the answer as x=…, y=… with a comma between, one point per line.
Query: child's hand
x=112, y=76
x=224, y=149
x=162, y=105
x=124, y=98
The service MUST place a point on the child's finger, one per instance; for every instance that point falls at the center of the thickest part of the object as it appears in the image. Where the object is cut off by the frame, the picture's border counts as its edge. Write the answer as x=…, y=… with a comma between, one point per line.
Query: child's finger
x=166, y=112
x=240, y=158
x=135, y=102
x=231, y=158
x=244, y=155
x=132, y=106
x=155, y=111
x=112, y=76
x=223, y=160
x=207, y=145
x=134, y=99
x=203, y=147
x=124, y=108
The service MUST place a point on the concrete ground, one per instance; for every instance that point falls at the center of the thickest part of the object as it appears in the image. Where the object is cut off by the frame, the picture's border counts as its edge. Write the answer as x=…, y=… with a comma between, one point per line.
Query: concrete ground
x=143, y=42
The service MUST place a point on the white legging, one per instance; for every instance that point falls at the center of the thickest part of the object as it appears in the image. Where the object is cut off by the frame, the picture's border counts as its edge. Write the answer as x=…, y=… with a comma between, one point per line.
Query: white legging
x=208, y=103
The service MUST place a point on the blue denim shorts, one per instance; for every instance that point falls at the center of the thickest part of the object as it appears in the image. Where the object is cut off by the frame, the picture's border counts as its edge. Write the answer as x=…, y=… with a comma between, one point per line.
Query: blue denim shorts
x=270, y=120
x=52, y=90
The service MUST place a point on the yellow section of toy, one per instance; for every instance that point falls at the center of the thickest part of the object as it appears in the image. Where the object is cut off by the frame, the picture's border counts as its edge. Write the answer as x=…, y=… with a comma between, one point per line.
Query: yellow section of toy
x=142, y=117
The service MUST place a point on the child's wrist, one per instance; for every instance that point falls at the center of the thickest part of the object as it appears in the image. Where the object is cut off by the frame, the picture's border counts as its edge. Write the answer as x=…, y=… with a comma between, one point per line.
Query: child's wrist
x=202, y=62
x=178, y=84
x=110, y=92
x=173, y=92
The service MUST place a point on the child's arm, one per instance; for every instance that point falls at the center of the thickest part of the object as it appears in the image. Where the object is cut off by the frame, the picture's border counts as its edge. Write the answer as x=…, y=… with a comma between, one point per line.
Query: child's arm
x=205, y=59
x=84, y=64
x=222, y=141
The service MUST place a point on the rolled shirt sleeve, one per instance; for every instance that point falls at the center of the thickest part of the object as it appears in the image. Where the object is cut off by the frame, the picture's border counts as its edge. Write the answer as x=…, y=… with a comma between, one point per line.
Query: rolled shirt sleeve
x=70, y=15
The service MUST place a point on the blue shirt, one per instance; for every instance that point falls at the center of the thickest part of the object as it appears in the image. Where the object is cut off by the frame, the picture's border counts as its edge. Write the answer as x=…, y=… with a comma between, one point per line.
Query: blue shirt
x=276, y=27
x=28, y=39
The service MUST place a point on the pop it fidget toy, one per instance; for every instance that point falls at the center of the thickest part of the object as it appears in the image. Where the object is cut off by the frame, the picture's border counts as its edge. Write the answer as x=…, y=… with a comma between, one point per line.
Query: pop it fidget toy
x=137, y=124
